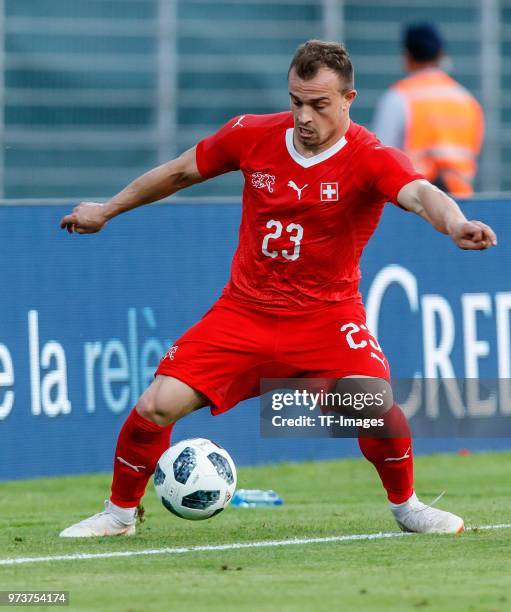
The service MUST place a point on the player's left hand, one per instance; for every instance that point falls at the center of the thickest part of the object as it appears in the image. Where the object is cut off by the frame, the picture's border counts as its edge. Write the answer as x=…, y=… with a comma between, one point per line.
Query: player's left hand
x=473, y=235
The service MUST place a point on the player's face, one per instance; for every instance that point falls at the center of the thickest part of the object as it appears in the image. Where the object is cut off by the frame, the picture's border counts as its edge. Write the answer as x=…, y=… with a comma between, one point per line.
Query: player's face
x=320, y=108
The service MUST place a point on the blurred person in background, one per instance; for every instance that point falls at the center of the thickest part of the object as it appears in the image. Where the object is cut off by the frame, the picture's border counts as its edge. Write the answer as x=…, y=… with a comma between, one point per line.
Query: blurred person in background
x=431, y=117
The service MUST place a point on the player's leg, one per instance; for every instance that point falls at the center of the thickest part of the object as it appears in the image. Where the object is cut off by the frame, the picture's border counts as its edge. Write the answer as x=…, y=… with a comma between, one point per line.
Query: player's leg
x=143, y=438
x=389, y=449
x=392, y=457
x=389, y=446
x=339, y=345
x=214, y=363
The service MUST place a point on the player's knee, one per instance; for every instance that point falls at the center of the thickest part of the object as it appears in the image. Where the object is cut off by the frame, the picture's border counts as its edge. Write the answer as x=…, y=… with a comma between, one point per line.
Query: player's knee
x=365, y=396
x=167, y=400
x=148, y=408
x=153, y=409
x=387, y=396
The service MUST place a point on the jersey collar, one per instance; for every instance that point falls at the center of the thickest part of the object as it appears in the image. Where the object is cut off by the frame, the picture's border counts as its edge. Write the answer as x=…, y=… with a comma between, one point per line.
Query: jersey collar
x=307, y=162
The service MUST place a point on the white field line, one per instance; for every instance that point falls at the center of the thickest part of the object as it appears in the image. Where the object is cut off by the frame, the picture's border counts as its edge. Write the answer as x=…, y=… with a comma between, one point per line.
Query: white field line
x=233, y=546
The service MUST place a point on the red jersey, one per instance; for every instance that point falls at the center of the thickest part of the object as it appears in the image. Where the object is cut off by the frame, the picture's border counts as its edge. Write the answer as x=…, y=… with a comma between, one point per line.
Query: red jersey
x=305, y=220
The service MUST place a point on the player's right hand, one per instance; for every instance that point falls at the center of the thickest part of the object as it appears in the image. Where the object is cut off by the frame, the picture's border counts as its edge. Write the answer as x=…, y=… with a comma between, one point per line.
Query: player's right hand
x=86, y=218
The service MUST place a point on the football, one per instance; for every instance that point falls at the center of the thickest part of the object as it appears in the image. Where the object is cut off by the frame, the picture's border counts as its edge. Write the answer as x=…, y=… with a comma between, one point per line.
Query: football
x=195, y=479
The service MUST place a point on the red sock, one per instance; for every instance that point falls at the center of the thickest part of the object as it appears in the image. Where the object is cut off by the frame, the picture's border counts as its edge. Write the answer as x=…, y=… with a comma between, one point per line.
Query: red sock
x=139, y=446
x=392, y=456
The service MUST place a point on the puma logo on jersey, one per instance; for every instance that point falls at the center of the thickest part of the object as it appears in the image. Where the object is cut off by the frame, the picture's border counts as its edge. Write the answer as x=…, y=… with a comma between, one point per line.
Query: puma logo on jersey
x=294, y=186
x=263, y=181
x=238, y=123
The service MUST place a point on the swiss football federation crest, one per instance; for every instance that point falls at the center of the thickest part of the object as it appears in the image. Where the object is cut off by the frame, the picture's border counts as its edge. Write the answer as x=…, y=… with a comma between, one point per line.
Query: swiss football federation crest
x=329, y=192
x=263, y=181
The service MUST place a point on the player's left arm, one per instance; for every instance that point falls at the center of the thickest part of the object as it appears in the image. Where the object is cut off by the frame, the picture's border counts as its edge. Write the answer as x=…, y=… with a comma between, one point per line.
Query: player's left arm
x=442, y=212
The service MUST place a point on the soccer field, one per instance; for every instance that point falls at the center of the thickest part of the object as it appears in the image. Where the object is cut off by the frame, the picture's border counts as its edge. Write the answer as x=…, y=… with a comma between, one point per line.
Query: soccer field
x=338, y=498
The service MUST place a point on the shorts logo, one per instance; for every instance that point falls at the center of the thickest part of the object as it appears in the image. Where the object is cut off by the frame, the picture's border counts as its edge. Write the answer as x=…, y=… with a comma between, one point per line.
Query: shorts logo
x=329, y=192
x=171, y=352
x=263, y=181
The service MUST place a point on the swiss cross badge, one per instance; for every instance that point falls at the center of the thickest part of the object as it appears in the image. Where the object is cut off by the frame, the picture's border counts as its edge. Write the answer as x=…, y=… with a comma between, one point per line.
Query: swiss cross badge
x=329, y=192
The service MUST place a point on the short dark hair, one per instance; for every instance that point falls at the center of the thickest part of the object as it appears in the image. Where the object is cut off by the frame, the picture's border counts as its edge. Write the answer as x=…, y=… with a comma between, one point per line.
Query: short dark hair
x=314, y=54
x=423, y=42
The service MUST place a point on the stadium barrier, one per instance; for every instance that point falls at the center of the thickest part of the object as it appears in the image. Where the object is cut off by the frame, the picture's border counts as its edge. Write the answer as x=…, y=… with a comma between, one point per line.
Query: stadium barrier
x=85, y=319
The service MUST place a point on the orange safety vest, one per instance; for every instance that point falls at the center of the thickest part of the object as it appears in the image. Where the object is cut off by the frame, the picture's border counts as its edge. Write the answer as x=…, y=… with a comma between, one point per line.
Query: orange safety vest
x=444, y=129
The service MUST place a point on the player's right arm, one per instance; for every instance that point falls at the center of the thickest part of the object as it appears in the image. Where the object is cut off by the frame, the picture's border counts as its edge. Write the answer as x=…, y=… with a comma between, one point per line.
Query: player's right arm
x=161, y=182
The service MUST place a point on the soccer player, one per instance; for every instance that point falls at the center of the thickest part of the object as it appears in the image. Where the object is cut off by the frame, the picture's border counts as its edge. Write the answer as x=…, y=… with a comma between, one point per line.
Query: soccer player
x=315, y=187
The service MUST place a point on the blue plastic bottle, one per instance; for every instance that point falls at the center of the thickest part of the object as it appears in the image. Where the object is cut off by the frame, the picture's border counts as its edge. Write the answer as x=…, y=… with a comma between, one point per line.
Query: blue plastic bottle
x=255, y=498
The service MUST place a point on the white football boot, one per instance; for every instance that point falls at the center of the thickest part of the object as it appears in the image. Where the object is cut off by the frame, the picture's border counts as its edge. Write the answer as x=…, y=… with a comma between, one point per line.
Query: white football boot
x=113, y=521
x=416, y=517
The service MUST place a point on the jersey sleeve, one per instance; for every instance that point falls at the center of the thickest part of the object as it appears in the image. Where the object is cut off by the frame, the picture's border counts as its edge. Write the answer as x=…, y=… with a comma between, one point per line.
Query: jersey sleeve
x=388, y=170
x=220, y=152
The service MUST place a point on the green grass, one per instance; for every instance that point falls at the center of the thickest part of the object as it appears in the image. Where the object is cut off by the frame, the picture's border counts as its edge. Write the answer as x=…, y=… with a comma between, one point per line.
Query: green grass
x=467, y=572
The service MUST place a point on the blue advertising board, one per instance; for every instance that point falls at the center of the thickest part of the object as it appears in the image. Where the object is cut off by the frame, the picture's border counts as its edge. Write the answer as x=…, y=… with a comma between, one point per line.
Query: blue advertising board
x=85, y=319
